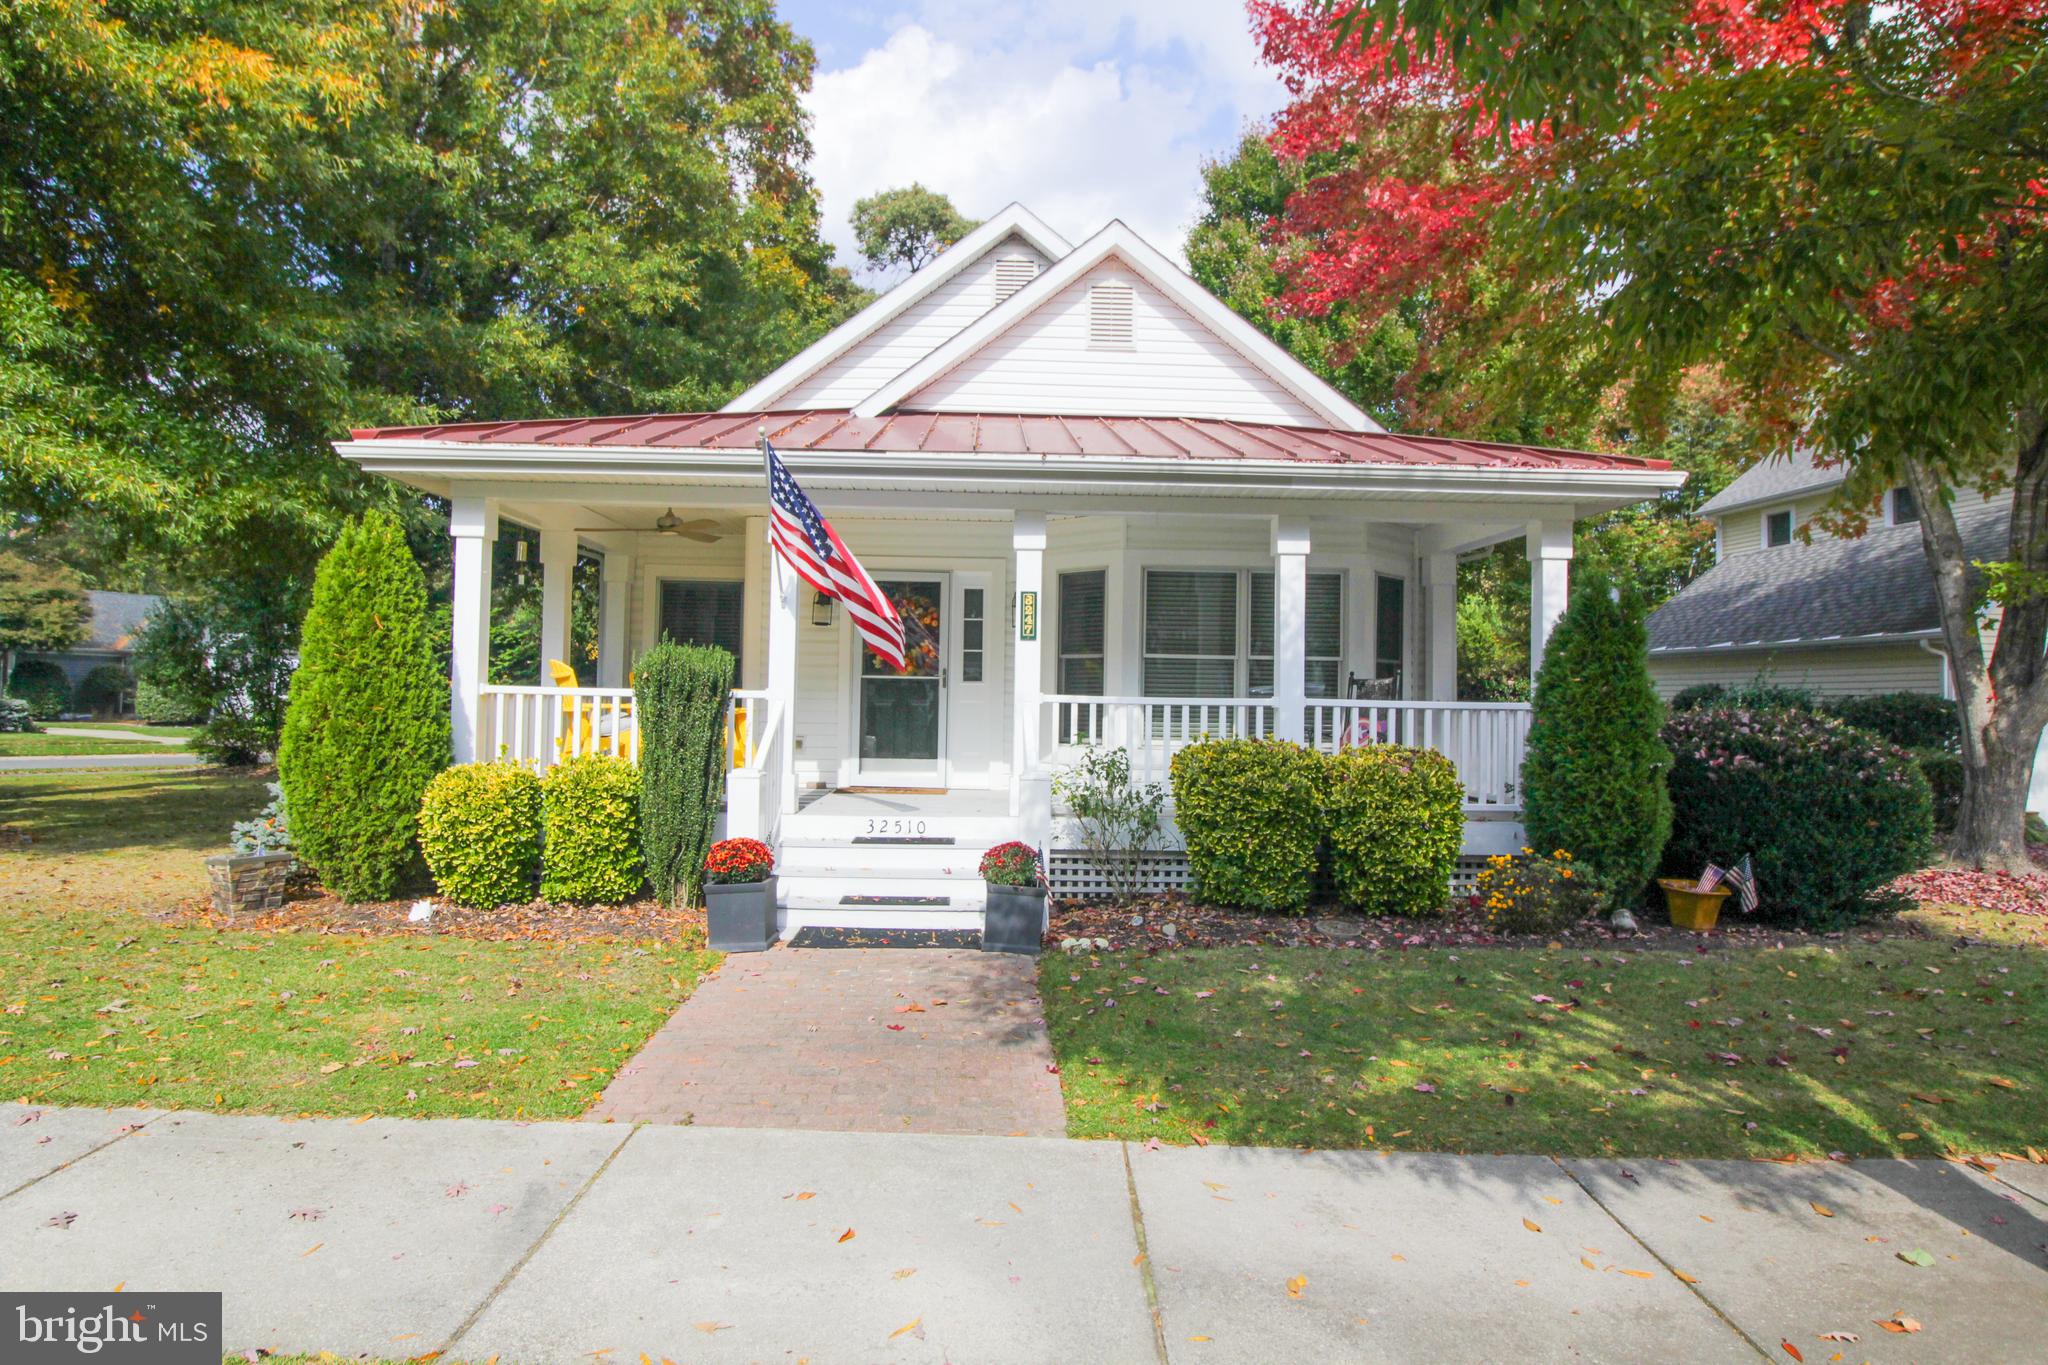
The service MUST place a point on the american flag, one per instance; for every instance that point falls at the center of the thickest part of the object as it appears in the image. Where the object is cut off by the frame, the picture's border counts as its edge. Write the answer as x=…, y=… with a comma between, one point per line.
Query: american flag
x=1742, y=877
x=808, y=544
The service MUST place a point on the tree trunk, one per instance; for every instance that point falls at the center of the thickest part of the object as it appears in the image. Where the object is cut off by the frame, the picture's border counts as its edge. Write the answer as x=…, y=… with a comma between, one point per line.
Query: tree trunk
x=1991, y=828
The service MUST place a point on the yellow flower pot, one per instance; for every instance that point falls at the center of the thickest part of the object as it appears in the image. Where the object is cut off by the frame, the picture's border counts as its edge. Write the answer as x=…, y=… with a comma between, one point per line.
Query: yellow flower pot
x=1691, y=908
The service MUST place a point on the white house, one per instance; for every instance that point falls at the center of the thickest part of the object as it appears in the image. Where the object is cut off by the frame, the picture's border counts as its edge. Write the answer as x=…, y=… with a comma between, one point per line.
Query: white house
x=1125, y=515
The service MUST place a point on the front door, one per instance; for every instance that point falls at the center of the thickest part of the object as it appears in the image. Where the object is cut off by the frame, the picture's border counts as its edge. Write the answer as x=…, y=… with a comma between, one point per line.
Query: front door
x=903, y=711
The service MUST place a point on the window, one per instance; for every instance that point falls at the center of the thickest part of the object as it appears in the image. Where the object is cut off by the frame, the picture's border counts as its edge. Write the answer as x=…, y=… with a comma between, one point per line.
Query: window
x=1905, y=508
x=971, y=625
x=1777, y=528
x=1190, y=633
x=1325, y=636
x=1080, y=622
x=1390, y=628
x=704, y=612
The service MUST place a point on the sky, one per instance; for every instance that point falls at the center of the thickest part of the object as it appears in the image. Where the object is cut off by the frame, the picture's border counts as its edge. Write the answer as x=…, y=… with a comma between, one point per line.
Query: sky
x=1083, y=110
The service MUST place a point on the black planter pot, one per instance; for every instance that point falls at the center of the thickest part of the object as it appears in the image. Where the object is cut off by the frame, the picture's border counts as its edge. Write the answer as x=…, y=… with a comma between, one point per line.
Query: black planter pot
x=740, y=916
x=1014, y=921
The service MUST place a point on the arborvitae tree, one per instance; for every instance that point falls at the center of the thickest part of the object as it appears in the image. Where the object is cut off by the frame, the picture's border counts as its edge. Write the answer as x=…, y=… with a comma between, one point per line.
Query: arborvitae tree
x=680, y=694
x=1594, y=781
x=367, y=725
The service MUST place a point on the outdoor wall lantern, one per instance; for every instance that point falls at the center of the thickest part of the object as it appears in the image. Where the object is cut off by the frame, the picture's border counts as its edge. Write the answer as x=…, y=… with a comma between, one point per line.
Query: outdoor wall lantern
x=821, y=610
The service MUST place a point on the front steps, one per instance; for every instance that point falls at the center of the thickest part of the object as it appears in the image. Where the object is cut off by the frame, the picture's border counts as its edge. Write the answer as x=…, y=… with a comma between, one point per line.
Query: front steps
x=896, y=868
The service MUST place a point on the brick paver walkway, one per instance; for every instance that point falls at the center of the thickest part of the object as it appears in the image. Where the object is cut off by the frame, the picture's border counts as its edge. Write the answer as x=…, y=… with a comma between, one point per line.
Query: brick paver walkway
x=802, y=1038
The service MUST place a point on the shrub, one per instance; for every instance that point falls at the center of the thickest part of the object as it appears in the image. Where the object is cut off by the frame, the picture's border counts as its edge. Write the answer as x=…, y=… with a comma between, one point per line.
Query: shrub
x=233, y=740
x=367, y=725
x=1117, y=820
x=1532, y=893
x=43, y=686
x=104, y=691
x=1830, y=813
x=1944, y=773
x=1911, y=720
x=733, y=861
x=15, y=718
x=1011, y=864
x=269, y=832
x=1395, y=818
x=1594, y=779
x=1247, y=809
x=679, y=700
x=480, y=829
x=590, y=813
x=1698, y=695
x=156, y=705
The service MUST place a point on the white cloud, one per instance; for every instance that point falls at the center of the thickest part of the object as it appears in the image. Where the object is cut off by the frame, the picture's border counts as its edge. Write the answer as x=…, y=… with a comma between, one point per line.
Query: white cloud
x=1082, y=111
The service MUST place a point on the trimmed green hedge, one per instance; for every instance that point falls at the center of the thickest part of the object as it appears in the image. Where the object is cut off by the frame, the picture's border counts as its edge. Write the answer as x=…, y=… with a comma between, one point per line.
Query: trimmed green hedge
x=480, y=829
x=1248, y=812
x=1911, y=720
x=104, y=688
x=590, y=813
x=679, y=697
x=1395, y=819
x=43, y=686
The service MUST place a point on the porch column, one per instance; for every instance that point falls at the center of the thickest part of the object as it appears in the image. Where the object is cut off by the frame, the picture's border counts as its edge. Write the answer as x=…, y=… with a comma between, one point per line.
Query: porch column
x=1027, y=550
x=1550, y=559
x=614, y=589
x=1290, y=627
x=1441, y=572
x=472, y=526
x=784, y=601
x=557, y=570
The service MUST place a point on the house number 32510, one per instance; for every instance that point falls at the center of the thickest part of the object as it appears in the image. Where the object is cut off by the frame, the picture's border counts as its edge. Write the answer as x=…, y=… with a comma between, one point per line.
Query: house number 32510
x=898, y=826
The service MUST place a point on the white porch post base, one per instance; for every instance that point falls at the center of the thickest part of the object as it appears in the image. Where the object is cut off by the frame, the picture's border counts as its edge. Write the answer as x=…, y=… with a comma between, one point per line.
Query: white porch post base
x=557, y=569
x=472, y=525
x=1290, y=627
x=1442, y=574
x=1027, y=546
x=1550, y=561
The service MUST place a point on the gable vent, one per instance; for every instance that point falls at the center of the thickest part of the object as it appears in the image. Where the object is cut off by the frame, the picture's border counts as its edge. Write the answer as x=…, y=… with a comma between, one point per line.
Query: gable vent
x=1110, y=306
x=1012, y=274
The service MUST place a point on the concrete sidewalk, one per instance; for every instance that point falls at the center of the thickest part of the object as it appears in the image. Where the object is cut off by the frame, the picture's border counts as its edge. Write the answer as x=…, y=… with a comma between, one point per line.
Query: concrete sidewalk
x=36, y=763
x=560, y=1241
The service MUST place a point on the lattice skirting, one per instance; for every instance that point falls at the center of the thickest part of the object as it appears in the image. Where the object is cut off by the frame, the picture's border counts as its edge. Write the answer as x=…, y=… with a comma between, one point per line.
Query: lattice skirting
x=1071, y=873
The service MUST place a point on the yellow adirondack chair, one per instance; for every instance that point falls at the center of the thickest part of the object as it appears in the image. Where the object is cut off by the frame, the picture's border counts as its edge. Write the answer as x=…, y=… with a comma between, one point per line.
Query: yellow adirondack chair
x=576, y=717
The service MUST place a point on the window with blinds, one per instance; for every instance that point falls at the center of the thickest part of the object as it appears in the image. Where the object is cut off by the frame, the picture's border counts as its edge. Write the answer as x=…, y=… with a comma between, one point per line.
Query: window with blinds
x=1325, y=644
x=1191, y=638
x=1081, y=632
x=704, y=612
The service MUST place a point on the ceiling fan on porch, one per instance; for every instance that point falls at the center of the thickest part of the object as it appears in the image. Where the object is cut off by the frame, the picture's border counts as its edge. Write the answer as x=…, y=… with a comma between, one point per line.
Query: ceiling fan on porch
x=702, y=529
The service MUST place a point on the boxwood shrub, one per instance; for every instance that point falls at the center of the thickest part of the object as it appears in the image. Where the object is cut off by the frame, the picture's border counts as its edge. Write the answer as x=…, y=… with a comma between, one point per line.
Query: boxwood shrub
x=480, y=829
x=1395, y=818
x=1911, y=720
x=1829, y=812
x=590, y=815
x=43, y=686
x=1248, y=810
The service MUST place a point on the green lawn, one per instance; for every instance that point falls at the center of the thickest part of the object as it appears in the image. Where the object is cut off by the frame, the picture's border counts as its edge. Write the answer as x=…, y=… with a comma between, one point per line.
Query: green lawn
x=56, y=742
x=1893, y=1047
x=105, y=1006
x=133, y=726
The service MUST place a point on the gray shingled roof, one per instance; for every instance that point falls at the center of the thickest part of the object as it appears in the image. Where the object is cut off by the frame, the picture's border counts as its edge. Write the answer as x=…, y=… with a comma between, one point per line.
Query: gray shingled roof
x=1779, y=477
x=1833, y=589
x=116, y=617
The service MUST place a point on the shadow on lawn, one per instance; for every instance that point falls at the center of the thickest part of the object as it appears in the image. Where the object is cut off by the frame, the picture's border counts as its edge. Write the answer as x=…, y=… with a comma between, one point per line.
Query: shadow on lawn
x=96, y=812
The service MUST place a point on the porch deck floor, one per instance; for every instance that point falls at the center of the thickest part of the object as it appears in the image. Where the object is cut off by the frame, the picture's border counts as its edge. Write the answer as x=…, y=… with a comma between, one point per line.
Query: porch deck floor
x=827, y=1039
x=893, y=804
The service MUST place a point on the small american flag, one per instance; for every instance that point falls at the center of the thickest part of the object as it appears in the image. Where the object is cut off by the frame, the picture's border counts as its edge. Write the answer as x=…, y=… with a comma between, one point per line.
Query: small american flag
x=808, y=544
x=1742, y=877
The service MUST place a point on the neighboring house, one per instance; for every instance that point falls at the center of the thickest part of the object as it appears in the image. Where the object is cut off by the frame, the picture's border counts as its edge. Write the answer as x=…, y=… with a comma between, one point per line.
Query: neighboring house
x=1843, y=617
x=117, y=618
x=1124, y=514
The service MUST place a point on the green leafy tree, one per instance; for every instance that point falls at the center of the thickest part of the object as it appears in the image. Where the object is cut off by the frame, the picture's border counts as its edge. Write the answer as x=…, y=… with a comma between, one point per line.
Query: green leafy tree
x=1593, y=783
x=42, y=607
x=367, y=725
x=907, y=227
x=680, y=698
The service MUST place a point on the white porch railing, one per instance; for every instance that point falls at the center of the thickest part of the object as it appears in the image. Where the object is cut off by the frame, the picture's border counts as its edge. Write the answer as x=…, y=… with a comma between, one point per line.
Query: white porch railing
x=541, y=726
x=1486, y=740
x=757, y=790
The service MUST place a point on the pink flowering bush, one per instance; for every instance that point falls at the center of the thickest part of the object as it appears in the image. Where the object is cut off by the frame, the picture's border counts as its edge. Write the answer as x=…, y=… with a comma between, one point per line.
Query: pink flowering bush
x=1830, y=813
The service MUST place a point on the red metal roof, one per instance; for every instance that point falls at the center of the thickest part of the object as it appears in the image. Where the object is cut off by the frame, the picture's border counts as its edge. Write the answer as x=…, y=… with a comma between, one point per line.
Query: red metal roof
x=1171, y=438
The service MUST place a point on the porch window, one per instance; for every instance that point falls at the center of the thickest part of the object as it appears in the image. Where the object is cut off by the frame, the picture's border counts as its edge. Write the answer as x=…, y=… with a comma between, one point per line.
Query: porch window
x=1325, y=642
x=1081, y=617
x=1190, y=633
x=1390, y=628
x=704, y=611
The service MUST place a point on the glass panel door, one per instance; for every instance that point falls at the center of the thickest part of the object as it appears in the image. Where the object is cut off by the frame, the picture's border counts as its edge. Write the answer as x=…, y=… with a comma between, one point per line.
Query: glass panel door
x=902, y=711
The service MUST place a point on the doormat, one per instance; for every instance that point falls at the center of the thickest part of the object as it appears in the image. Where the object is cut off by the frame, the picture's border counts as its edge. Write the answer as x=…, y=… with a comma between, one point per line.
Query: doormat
x=895, y=791
x=816, y=936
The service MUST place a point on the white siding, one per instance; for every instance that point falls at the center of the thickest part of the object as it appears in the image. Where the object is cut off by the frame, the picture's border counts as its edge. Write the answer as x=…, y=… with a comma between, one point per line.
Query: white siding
x=1841, y=671
x=1175, y=366
x=907, y=339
